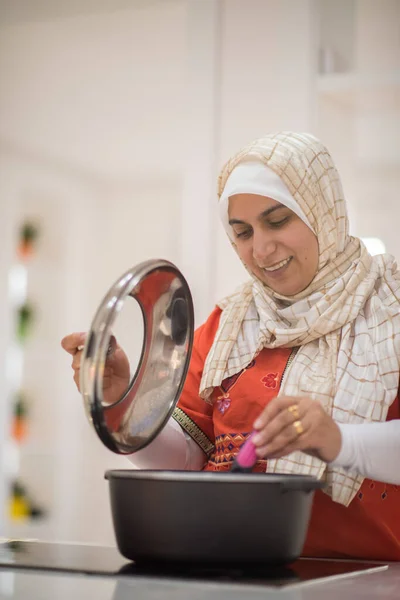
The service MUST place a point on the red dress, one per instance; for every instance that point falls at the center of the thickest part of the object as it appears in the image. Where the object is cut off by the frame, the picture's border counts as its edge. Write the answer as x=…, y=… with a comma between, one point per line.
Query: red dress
x=369, y=528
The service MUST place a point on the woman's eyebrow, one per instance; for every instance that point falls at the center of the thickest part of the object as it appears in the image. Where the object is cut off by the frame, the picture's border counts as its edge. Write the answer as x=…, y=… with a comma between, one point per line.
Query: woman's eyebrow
x=264, y=214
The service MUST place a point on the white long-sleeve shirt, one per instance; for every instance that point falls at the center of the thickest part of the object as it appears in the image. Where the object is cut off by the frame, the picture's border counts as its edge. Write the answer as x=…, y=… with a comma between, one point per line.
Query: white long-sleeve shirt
x=372, y=450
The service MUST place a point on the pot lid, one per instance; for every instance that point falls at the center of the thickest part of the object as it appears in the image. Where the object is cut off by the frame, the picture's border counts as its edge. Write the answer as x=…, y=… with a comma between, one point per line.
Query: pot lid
x=128, y=404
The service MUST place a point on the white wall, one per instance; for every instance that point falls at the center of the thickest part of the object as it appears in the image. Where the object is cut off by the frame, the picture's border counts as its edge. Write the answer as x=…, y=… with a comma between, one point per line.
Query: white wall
x=265, y=86
x=101, y=91
x=359, y=115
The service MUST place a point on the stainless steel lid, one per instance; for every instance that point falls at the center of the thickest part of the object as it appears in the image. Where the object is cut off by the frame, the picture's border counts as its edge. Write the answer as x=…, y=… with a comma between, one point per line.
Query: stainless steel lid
x=129, y=406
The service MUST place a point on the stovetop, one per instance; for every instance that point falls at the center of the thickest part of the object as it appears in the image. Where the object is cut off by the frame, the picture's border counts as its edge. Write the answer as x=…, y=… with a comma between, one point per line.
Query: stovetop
x=104, y=560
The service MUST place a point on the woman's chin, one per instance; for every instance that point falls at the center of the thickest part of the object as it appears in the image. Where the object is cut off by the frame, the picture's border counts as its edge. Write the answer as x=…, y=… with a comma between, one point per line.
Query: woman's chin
x=283, y=288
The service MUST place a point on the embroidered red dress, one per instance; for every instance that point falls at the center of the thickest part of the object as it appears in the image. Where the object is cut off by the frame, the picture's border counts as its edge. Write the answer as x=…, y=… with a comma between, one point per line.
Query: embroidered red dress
x=369, y=528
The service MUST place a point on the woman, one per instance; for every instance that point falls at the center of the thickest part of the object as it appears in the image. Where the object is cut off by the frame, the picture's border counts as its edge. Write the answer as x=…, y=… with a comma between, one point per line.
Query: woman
x=306, y=352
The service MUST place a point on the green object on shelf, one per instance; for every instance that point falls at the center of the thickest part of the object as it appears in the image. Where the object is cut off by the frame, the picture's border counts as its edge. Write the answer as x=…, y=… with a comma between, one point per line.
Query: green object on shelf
x=19, y=503
x=24, y=320
x=18, y=490
x=19, y=425
x=29, y=232
x=20, y=406
x=27, y=238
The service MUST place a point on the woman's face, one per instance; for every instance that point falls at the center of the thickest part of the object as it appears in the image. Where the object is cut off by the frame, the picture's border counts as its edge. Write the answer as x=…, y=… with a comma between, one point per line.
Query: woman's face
x=274, y=243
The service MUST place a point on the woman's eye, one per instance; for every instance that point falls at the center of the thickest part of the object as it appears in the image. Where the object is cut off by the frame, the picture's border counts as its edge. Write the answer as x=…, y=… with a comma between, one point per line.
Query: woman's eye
x=278, y=223
x=243, y=234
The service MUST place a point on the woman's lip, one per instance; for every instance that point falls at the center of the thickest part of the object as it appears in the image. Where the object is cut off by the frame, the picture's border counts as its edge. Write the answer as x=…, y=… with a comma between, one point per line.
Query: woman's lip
x=278, y=272
x=273, y=267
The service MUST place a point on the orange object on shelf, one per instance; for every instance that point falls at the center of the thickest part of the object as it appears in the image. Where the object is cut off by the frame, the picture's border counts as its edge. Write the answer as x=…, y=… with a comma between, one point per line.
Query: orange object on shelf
x=25, y=250
x=19, y=425
x=26, y=246
x=19, y=429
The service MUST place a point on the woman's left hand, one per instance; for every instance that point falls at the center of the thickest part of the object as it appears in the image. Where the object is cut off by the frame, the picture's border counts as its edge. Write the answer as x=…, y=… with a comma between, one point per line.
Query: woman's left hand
x=289, y=424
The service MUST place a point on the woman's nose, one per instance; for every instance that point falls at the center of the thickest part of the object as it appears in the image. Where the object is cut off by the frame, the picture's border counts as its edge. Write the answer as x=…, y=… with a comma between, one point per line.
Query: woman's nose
x=263, y=247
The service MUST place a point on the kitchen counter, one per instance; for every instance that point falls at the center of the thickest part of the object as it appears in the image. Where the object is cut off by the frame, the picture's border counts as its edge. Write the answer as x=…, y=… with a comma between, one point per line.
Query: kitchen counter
x=38, y=583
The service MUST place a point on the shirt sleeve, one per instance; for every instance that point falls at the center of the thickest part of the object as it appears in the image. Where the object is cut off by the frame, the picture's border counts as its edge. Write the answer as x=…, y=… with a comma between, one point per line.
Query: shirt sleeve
x=371, y=450
x=172, y=449
x=194, y=414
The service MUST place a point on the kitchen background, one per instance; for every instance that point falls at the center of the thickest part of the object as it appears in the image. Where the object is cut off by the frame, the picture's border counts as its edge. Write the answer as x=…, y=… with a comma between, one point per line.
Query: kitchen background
x=115, y=116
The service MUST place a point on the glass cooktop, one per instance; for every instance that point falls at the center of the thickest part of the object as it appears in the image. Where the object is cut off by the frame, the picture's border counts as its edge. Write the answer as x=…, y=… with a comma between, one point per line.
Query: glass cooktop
x=104, y=560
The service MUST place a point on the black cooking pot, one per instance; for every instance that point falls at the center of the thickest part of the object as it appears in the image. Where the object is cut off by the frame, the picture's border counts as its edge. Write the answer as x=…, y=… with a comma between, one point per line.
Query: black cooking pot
x=180, y=516
x=210, y=517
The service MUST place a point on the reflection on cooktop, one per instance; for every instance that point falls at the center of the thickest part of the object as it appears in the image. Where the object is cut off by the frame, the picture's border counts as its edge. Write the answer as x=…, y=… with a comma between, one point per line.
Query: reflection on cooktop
x=103, y=560
x=81, y=558
x=258, y=575
x=300, y=571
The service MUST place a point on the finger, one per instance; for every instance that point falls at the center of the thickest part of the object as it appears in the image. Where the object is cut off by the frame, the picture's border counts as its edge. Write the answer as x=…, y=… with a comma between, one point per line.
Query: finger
x=293, y=447
x=76, y=360
x=301, y=444
x=113, y=355
x=112, y=346
x=274, y=407
x=111, y=349
x=76, y=364
x=288, y=439
x=107, y=383
x=70, y=343
x=108, y=377
x=282, y=420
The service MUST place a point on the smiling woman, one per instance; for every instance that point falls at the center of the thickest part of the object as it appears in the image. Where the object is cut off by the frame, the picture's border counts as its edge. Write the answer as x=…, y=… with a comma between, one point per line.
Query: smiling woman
x=304, y=357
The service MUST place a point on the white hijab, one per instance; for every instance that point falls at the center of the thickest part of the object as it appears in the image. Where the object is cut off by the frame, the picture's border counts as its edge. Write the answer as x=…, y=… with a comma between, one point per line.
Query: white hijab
x=346, y=323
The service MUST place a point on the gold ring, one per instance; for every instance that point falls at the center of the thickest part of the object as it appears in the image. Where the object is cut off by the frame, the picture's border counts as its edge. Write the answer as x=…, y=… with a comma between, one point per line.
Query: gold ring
x=294, y=410
x=298, y=427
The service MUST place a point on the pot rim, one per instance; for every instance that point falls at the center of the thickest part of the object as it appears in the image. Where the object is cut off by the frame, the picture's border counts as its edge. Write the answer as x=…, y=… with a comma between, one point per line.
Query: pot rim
x=304, y=481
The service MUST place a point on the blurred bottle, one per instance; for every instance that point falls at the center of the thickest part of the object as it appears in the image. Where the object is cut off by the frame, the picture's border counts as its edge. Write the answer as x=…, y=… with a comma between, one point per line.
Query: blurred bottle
x=25, y=317
x=19, y=425
x=27, y=240
x=19, y=503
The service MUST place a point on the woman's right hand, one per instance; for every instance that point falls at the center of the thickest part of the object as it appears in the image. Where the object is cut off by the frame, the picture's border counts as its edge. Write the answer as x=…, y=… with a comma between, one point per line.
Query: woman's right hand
x=116, y=370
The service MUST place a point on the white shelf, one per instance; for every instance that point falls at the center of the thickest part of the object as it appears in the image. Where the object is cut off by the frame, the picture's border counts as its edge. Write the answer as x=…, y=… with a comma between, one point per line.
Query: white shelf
x=363, y=91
